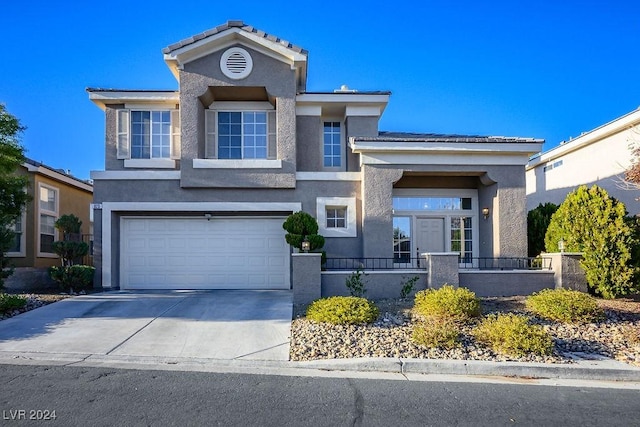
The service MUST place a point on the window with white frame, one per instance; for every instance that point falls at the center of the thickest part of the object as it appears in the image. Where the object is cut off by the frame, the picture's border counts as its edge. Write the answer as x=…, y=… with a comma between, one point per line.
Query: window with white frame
x=336, y=216
x=17, y=247
x=240, y=130
x=150, y=134
x=242, y=135
x=332, y=145
x=147, y=136
x=48, y=213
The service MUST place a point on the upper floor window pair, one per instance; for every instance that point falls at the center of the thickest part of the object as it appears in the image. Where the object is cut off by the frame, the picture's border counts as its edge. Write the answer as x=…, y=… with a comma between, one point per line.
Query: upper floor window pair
x=237, y=135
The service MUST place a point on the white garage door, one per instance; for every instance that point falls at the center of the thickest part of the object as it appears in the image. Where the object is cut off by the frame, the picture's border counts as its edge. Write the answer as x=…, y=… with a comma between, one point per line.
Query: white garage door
x=193, y=253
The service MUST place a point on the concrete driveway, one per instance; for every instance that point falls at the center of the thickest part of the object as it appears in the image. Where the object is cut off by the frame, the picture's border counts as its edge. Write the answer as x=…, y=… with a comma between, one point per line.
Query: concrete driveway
x=220, y=324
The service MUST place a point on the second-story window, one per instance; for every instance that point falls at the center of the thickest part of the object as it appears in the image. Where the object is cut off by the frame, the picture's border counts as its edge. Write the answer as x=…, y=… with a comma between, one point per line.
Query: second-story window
x=332, y=145
x=242, y=135
x=48, y=208
x=150, y=134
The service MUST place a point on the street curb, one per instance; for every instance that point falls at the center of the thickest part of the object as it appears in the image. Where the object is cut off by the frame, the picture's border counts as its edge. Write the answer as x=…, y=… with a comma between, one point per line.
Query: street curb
x=595, y=370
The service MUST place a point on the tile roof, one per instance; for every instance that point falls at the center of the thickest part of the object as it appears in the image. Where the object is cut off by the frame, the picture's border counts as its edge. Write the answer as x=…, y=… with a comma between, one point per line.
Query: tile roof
x=434, y=137
x=232, y=24
x=60, y=171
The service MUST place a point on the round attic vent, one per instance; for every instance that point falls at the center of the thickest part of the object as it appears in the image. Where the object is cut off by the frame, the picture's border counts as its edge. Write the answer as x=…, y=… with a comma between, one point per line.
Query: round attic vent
x=236, y=63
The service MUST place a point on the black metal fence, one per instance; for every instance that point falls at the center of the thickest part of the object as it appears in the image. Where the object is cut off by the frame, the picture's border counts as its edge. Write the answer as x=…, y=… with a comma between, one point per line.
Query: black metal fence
x=536, y=263
x=465, y=263
x=374, y=263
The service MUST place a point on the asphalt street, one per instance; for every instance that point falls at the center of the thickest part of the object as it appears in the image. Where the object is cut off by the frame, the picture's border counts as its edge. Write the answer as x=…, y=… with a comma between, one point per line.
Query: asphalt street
x=84, y=396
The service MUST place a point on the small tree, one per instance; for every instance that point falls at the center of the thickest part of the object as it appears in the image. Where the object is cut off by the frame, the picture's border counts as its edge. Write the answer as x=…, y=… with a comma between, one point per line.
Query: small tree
x=591, y=222
x=71, y=248
x=537, y=223
x=301, y=225
x=71, y=275
x=13, y=195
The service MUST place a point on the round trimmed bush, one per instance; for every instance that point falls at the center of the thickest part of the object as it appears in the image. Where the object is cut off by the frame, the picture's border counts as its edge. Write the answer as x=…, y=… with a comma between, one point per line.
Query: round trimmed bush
x=513, y=335
x=565, y=305
x=449, y=302
x=437, y=332
x=342, y=310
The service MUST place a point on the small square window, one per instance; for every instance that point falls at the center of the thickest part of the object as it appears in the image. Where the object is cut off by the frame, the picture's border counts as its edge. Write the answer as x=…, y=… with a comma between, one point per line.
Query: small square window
x=336, y=217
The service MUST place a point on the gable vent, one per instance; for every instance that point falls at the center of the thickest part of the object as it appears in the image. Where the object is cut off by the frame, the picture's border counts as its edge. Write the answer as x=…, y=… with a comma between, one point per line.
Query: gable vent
x=236, y=63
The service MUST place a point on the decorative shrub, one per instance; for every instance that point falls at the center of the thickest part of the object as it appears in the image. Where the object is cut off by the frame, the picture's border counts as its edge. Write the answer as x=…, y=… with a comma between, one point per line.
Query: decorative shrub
x=538, y=220
x=355, y=284
x=342, y=310
x=454, y=303
x=565, y=305
x=591, y=222
x=11, y=302
x=73, y=278
x=437, y=332
x=71, y=248
x=513, y=335
x=300, y=225
x=407, y=286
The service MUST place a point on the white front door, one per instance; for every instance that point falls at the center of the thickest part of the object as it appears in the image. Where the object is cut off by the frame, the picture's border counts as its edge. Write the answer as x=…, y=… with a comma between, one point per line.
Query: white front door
x=429, y=235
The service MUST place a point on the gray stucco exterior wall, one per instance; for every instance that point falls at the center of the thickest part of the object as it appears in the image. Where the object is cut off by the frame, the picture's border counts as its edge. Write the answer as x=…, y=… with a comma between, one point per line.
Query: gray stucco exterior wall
x=309, y=150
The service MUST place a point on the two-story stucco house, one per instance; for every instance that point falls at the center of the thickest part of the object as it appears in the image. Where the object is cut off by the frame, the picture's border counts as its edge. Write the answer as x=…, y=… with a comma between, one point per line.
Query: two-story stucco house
x=198, y=181
x=598, y=157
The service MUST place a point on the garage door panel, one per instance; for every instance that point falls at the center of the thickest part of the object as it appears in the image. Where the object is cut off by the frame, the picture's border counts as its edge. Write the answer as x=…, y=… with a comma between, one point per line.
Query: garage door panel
x=192, y=253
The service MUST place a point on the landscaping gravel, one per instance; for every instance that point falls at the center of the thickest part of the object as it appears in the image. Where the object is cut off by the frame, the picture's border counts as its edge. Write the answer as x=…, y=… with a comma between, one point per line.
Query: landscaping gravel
x=390, y=336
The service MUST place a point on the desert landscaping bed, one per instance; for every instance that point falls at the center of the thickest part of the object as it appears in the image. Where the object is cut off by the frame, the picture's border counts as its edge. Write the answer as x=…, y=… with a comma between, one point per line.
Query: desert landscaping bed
x=390, y=335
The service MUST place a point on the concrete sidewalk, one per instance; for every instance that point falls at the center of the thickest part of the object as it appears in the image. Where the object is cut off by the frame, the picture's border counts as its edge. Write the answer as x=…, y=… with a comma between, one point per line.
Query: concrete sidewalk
x=210, y=324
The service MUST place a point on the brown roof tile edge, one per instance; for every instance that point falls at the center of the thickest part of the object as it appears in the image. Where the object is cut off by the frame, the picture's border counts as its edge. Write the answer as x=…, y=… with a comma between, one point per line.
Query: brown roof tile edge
x=232, y=24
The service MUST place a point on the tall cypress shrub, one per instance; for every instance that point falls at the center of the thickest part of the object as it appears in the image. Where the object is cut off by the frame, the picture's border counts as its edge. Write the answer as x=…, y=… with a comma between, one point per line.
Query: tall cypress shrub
x=592, y=222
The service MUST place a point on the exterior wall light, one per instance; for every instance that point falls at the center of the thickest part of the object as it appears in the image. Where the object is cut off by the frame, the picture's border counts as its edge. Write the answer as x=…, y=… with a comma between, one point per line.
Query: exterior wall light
x=305, y=245
x=561, y=245
x=485, y=213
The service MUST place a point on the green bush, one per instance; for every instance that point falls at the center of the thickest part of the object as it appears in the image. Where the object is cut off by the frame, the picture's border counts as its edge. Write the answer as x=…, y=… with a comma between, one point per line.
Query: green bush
x=437, y=332
x=565, y=305
x=591, y=222
x=342, y=310
x=355, y=284
x=537, y=223
x=73, y=278
x=300, y=225
x=11, y=302
x=513, y=335
x=454, y=303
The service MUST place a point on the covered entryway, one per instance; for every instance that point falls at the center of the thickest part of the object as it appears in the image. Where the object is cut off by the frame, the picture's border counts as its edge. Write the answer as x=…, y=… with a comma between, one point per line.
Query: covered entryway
x=203, y=253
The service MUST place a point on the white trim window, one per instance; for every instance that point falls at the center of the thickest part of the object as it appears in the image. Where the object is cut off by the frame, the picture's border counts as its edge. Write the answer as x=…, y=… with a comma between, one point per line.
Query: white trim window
x=240, y=130
x=47, y=215
x=336, y=216
x=145, y=136
x=17, y=248
x=332, y=144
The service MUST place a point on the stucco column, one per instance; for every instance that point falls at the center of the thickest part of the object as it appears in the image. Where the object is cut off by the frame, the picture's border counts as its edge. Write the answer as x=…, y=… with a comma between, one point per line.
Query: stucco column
x=443, y=269
x=568, y=273
x=510, y=220
x=377, y=210
x=306, y=279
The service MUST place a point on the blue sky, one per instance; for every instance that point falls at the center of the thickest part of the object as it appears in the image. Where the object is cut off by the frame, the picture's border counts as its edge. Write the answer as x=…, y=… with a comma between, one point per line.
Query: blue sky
x=544, y=69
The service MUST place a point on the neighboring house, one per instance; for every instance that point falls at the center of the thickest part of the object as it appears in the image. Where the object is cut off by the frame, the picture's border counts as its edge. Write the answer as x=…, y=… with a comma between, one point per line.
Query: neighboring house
x=54, y=193
x=198, y=181
x=600, y=156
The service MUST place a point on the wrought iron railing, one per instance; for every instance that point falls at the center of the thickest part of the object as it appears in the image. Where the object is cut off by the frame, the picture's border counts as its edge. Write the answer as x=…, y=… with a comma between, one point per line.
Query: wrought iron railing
x=506, y=263
x=374, y=263
x=464, y=263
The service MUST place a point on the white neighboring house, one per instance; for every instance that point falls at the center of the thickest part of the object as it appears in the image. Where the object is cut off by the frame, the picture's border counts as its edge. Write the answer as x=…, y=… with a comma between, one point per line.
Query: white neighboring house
x=600, y=156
